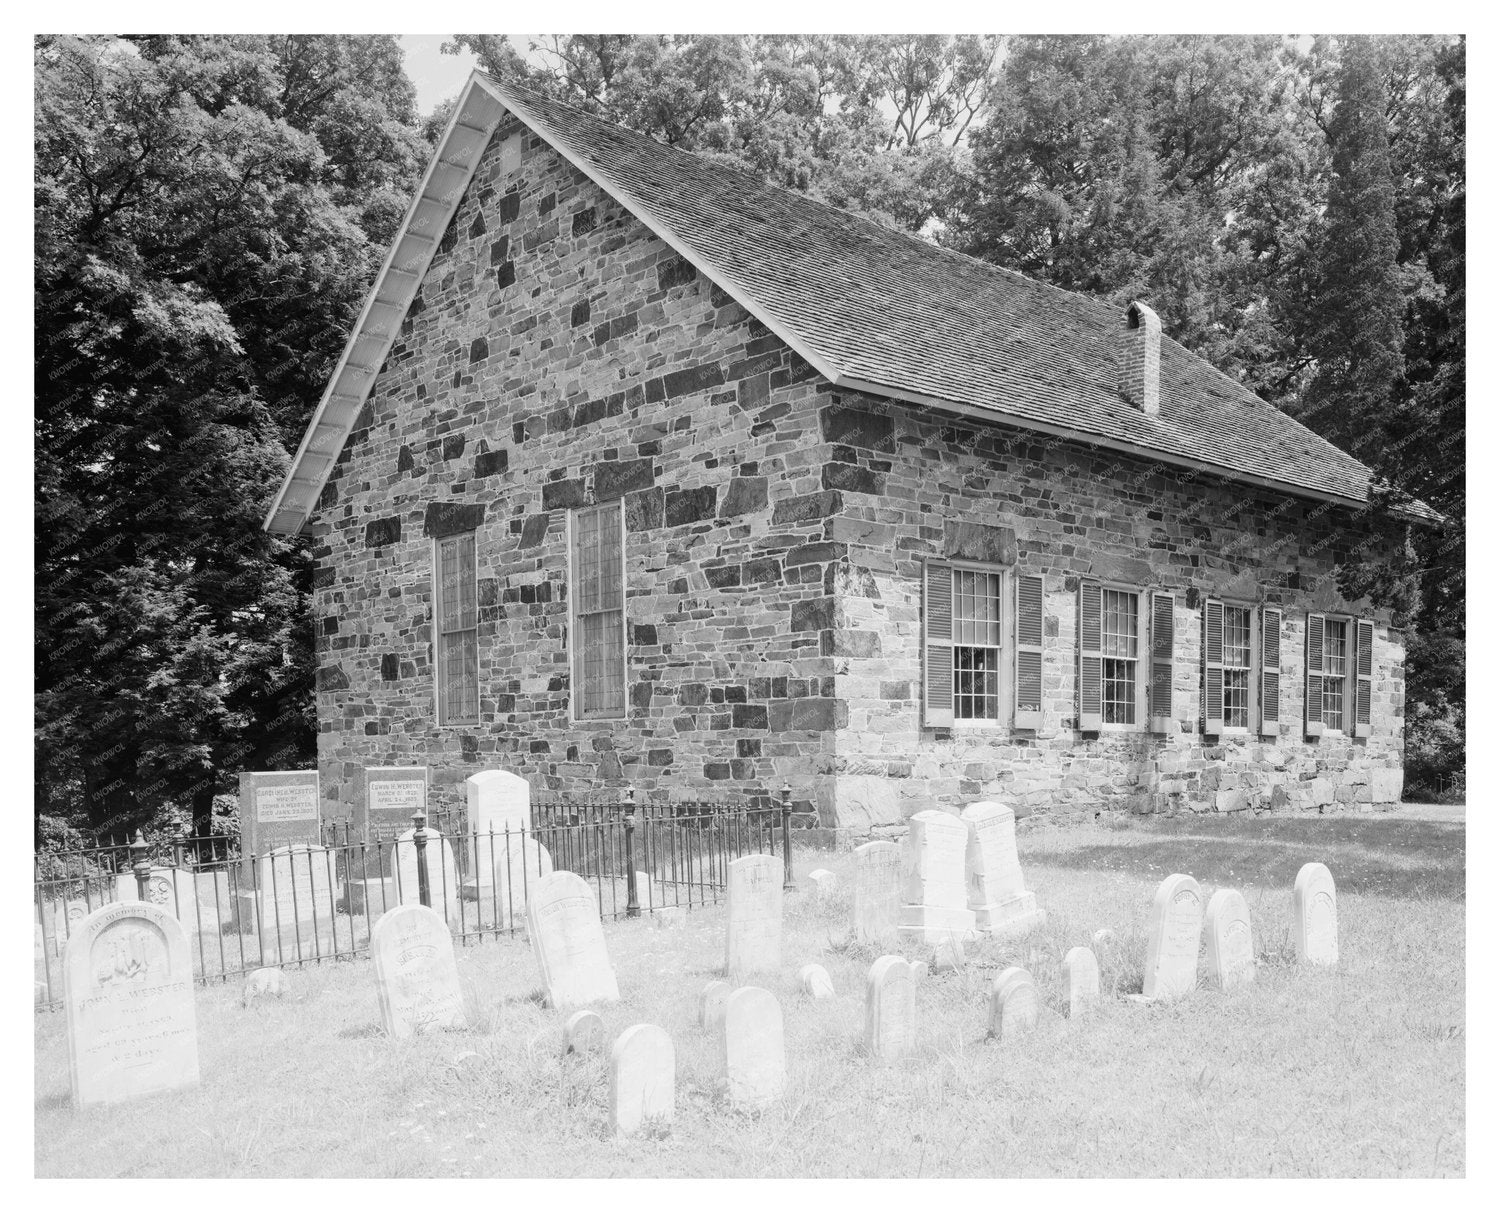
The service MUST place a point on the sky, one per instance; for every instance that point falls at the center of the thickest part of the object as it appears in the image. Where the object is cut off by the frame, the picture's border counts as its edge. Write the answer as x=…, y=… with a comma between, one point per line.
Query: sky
x=436, y=76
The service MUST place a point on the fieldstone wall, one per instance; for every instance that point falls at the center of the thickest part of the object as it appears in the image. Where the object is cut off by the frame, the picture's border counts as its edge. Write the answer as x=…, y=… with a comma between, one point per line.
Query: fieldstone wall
x=919, y=486
x=561, y=355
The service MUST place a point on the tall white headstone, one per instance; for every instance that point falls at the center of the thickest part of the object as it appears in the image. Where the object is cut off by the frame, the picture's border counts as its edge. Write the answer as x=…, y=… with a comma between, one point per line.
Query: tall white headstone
x=296, y=898
x=753, y=932
x=415, y=973
x=128, y=989
x=935, y=899
x=997, y=892
x=877, y=891
x=567, y=940
x=890, y=1009
x=642, y=1079
x=1174, y=932
x=498, y=801
x=391, y=796
x=277, y=809
x=1315, y=919
x=1231, y=947
x=753, y=1048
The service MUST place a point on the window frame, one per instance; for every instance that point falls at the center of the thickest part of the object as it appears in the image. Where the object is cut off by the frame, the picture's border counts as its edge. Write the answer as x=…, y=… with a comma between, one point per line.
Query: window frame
x=1142, y=658
x=441, y=712
x=1252, y=671
x=575, y=685
x=1005, y=649
x=1351, y=664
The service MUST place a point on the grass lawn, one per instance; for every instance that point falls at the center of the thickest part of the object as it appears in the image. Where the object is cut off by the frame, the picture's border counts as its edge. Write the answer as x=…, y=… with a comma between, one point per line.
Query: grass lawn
x=1355, y=1071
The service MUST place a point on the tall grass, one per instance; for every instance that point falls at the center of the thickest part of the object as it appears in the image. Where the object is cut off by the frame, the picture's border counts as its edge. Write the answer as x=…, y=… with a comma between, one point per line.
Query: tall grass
x=1352, y=1071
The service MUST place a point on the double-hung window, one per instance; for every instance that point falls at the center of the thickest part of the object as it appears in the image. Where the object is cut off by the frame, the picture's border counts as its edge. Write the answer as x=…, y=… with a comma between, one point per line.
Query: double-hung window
x=976, y=644
x=456, y=600
x=968, y=650
x=597, y=634
x=1237, y=652
x=1335, y=671
x=1339, y=690
x=1121, y=650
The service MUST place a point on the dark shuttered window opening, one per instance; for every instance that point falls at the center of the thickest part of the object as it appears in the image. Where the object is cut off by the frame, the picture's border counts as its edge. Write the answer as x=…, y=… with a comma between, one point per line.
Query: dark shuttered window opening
x=457, y=599
x=598, y=594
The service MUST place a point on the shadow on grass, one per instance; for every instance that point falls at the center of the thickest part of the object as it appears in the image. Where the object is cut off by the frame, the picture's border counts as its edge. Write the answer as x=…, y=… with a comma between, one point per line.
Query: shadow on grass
x=1382, y=857
x=361, y=1031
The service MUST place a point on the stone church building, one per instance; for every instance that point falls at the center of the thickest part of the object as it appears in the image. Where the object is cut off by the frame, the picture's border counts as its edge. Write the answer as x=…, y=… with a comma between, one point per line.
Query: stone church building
x=636, y=470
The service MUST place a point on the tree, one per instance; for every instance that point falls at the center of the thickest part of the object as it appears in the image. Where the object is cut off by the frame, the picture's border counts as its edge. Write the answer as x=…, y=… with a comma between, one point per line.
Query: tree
x=208, y=214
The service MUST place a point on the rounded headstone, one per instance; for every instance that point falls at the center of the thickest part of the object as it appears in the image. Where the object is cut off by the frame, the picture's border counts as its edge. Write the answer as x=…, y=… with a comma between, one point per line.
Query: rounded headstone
x=1174, y=933
x=1315, y=922
x=585, y=1032
x=1080, y=980
x=642, y=1079
x=753, y=1048
x=1231, y=947
x=1013, y=1004
x=815, y=981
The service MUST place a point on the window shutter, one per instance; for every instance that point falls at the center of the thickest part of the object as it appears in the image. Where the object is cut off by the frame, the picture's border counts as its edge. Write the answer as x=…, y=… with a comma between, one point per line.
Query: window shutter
x=1213, y=666
x=1313, y=705
x=1364, y=644
x=1159, y=700
x=1028, y=653
x=1270, y=672
x=1090, y=656
x=937, y=644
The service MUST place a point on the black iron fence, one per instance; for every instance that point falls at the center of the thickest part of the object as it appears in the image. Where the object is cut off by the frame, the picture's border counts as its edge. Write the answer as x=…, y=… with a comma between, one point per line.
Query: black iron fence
x=314, y=902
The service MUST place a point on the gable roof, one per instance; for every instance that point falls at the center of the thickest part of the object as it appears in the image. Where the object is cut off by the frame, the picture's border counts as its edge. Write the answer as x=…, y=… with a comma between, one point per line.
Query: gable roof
x=871, y=309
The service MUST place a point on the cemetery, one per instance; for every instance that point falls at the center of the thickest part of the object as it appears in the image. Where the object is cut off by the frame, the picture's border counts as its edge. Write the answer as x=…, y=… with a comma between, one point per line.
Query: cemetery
x=806, y=1018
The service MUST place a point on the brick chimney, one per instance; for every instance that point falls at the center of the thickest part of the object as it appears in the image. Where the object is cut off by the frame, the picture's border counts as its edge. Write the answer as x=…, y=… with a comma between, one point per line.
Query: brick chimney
x=1140, y=358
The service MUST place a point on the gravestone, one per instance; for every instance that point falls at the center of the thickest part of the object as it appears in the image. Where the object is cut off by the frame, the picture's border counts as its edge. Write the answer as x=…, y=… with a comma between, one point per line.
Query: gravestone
x=443, y=880
x=753, y=931
x=753, y=1048
x=498, y=801
x=567, y=940
x=1315, y=921
x=391, y=796
x=642, y=1079
x=506, y=878
x=890, y=1009
x=824, y=883
x=1080, y=981
x=128, y=990
x=877, y=891
x=997, y=892
x=277, y=809
x=1231, y=948
x=1104, y=939
x=919, y=971
x=295, y=904
x=670, y=918
x=711, y=1005
x=584, y=1032
x=815, y=982
x=1174, y=930
x=935, y=900
x=416, y=975
x=174, y=890
x=1013, y=1004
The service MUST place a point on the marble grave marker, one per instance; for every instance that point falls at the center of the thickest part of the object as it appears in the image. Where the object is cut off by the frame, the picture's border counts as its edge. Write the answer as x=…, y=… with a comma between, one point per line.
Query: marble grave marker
x=1013, y=1004
x=415, y=972
x=1231, y=947
x=890, y=1009
x=128, y=991
x=877, y=891
x=753, y=1048
x=997, y=891
x=1174, y=930
x=1315, y=920
x=567, y=939
x=753, y=930
x=1080, y=980
x=935, y=900
x=642, y=1078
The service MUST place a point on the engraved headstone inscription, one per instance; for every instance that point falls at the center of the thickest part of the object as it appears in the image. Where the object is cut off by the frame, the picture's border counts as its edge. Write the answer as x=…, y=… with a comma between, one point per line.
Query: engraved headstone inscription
x=277, y=809
x=128, y=991
x=567, y=940
x=1013, y=1004
x=1315, y=920
x=415, y=973
x=1175, y=928
x=1231, y=947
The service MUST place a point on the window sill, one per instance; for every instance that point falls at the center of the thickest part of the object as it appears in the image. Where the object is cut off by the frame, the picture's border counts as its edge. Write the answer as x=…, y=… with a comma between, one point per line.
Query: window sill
x=978, y=726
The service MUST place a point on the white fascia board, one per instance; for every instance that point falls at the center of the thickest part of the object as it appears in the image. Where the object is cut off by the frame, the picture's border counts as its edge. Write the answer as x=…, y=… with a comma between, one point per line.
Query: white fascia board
x=447, y=176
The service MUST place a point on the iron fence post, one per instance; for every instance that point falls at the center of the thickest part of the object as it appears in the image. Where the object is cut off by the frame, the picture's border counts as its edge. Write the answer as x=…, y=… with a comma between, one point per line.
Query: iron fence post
x=142, y=866
x=786, y=836
x=419, y=840
x=179, y=843
x=632, y=894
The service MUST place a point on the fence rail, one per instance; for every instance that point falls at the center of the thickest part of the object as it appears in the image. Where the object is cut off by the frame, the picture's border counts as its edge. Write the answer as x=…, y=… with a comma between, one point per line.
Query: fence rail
x=314, y=902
